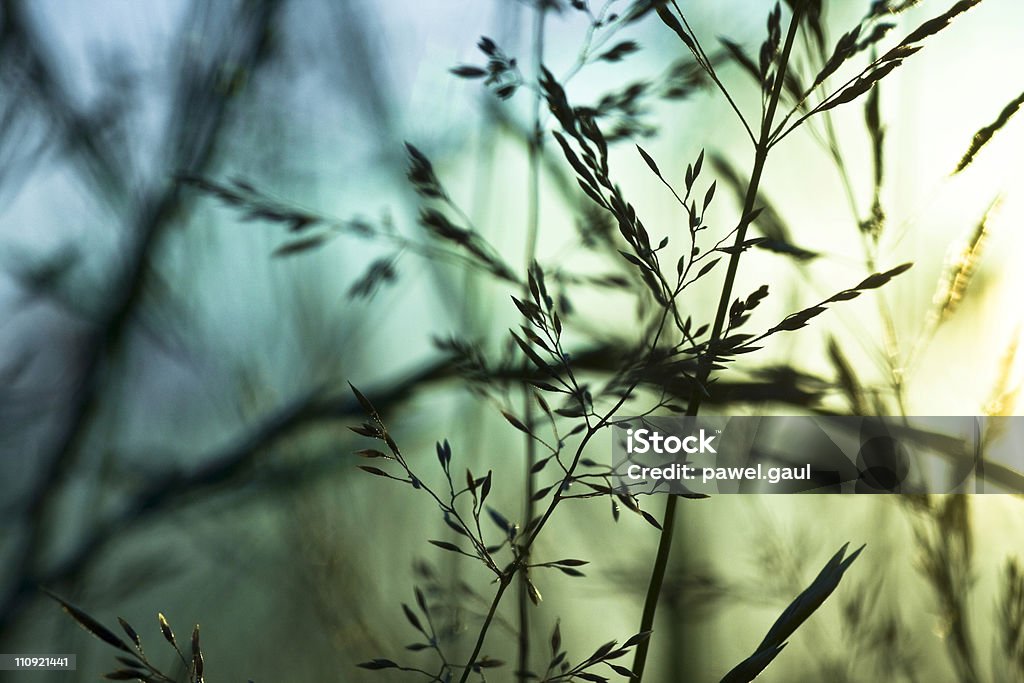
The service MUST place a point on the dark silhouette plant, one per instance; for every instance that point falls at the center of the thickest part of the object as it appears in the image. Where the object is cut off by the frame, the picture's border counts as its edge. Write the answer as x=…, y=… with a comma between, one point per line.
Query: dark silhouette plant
x=559, y=392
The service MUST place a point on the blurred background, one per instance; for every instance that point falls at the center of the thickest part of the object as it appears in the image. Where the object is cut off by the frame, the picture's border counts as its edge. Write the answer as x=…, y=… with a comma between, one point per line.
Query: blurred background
x=173, y=397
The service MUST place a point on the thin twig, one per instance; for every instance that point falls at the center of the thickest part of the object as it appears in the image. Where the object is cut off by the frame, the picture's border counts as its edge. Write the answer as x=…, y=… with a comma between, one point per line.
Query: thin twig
x=535, y=153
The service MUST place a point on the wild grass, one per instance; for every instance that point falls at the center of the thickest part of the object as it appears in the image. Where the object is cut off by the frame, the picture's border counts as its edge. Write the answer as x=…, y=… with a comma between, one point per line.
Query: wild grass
x=558, y=395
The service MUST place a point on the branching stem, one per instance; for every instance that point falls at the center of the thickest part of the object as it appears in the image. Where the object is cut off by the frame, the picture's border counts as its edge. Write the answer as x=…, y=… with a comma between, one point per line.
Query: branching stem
x=668, y=521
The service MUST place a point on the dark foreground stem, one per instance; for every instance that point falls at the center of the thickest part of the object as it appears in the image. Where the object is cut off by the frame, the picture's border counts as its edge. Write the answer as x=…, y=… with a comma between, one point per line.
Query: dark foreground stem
x=668, y=522
x=532, y=228
x=493, y=610
x=509, y=574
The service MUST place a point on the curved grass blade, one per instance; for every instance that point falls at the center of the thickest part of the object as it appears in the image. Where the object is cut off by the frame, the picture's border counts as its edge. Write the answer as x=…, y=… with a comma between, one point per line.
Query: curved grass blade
x=984, y=135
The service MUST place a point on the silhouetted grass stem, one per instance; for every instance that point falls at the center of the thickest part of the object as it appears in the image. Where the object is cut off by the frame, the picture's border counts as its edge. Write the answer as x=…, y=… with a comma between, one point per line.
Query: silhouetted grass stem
x=535, y=148
x=760, y=158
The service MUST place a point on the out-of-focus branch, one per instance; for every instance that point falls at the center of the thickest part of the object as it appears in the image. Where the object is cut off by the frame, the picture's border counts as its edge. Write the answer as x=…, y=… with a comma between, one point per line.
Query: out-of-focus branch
x=218, y=468
x=29, y=72
x=232, y=461
x=200, y=109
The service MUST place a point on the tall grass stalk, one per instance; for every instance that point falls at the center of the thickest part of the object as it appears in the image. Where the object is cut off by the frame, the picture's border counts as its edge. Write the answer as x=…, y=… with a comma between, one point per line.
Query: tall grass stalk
x=761, y=149
x=535, y=148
